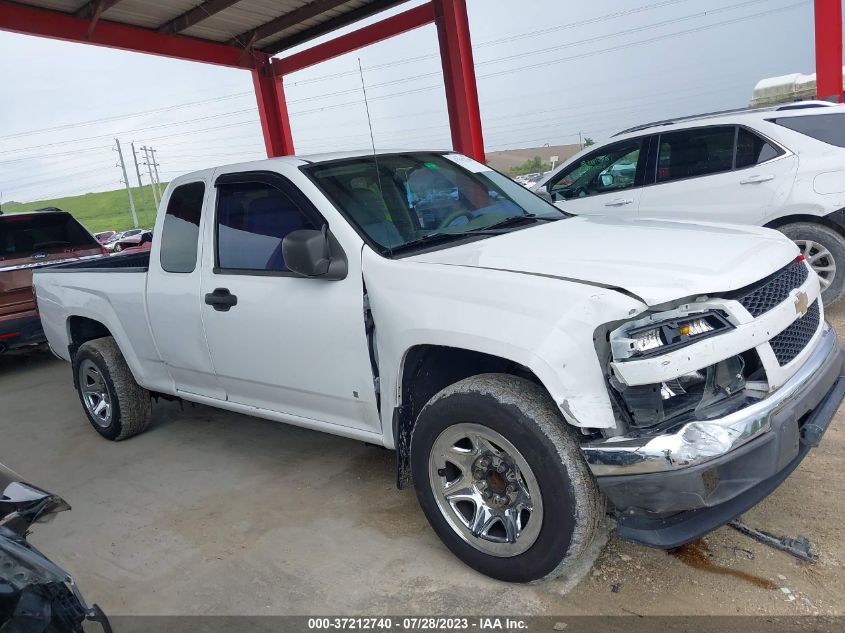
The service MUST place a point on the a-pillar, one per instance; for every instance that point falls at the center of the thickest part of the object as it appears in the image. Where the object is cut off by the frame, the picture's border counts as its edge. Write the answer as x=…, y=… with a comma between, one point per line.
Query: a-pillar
x=272, y=110
x=829, y=49
x=459, y=77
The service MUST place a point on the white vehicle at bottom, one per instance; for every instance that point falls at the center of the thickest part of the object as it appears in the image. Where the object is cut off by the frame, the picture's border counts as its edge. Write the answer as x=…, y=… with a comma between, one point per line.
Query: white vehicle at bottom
x=781, y=167
x=527, y=380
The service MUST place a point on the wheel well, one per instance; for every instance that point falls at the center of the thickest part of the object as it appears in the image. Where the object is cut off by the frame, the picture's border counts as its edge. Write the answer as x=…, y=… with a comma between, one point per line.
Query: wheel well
x=428, y=369
x=812, y=219
x=82, y=330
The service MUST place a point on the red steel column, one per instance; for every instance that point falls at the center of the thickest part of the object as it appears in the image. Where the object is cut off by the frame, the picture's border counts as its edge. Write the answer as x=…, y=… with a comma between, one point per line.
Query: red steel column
x=459, y=76
x=829, y=49
x=272, y=110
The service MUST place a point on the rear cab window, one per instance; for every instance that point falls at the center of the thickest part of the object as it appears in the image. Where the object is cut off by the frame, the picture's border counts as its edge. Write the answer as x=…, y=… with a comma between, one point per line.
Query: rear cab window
x=180, y=231
x=827, y=128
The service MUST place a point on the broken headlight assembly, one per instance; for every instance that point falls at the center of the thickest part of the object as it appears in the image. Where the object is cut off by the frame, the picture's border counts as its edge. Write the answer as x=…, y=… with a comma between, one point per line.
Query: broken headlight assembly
x=661, y=336
x=707, y=393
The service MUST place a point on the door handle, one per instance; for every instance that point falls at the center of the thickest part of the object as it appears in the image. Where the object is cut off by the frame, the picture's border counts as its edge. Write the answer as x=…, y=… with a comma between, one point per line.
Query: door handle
x=751, y=180
x=619, y=202
x=221, y=299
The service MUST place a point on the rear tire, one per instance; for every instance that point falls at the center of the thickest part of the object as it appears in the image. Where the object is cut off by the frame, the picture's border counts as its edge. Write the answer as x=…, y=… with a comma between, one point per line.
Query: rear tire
x=475, y=441
x=115, y=404
x=824, y=249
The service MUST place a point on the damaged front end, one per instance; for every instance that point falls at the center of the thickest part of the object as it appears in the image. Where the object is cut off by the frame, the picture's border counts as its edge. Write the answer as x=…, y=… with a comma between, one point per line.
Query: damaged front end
x=709, y=392
x=717, y=399
x=35, y=594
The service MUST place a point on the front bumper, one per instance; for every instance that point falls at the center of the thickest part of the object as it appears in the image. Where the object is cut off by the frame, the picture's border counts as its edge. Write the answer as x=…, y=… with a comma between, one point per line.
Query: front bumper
x=670, y=489
x=22, y=331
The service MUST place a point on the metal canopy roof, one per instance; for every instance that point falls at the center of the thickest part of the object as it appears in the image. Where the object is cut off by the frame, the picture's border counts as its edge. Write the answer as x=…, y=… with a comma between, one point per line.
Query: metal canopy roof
x=270, y=26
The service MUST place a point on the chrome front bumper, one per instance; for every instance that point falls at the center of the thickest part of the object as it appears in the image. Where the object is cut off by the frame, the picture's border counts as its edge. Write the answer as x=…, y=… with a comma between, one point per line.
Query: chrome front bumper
x=699, y=442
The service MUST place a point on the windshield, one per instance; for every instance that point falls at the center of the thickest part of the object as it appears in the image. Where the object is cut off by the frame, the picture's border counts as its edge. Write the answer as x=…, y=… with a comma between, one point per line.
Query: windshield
x=411, y=197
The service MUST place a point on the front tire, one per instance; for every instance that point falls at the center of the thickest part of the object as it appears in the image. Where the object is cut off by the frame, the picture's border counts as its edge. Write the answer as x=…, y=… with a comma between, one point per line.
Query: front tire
x=501, y=479
x=115, y=404
x=824, y=250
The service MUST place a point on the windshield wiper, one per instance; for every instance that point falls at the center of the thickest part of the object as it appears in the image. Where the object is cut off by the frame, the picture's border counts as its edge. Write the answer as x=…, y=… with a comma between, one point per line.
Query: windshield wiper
x=431, y=238
x=513, y=220
x=493, y=229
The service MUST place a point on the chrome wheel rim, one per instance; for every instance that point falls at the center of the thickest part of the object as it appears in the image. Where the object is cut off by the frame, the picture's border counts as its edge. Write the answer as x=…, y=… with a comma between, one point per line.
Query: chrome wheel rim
x=95, y=394
x=485, y=490
x=820, y=260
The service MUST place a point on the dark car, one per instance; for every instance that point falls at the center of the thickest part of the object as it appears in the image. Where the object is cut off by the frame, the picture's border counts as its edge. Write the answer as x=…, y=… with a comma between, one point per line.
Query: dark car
x=35, y=593
x=29, y=241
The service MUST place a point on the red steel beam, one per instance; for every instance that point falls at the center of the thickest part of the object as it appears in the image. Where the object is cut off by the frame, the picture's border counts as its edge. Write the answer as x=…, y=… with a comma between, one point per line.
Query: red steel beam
x=382, y=30
x=829, y=49
x=459, y=76
x=62, y=26
x=272, y=111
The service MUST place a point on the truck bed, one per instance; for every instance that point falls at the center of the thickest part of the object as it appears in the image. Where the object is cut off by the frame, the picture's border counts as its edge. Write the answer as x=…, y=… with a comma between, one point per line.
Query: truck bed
x=79, y=290
x=129, y=263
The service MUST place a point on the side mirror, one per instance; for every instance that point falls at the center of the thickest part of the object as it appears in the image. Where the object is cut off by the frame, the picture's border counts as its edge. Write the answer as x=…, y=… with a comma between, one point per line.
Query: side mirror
x=314, y=253
x=544, y=194
x=606, y=180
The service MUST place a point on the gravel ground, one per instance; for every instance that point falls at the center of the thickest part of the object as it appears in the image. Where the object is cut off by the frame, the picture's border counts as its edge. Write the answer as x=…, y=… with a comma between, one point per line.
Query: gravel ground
x=214, y=513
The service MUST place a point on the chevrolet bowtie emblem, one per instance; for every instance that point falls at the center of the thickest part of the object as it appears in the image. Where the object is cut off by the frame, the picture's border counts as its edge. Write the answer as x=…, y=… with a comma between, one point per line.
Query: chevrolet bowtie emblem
x=801, y=303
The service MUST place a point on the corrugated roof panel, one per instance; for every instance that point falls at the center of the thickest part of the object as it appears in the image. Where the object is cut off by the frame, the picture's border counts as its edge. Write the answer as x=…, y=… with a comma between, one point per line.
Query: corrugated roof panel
x=65, y=6
x=147, y=13
x=308, y=24
x=241, y=17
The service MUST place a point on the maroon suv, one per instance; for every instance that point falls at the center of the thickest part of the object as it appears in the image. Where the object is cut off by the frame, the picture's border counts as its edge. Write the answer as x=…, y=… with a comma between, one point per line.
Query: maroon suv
x=27, y=241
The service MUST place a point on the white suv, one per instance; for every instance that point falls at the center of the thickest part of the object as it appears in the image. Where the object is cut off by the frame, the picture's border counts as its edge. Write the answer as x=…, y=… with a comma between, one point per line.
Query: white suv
x=781, y=167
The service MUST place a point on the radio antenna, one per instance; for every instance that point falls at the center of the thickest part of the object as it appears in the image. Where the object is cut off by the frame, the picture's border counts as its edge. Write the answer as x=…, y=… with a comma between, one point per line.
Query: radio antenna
x=370, y=123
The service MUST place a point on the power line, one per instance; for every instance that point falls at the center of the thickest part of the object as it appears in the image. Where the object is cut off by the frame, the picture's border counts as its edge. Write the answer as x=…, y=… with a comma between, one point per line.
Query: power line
x=488, y=62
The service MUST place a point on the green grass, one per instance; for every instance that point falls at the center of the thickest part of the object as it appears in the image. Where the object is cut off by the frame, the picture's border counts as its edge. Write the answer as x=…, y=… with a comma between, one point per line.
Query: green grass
x=101, y=211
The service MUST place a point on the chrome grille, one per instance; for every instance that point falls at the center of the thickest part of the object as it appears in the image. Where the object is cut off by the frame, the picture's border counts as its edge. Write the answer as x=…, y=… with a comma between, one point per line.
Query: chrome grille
x=763, y=298
x=789, y=343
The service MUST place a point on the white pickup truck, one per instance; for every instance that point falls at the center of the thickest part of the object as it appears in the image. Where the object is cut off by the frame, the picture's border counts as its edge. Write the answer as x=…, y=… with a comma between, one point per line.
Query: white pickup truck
x=526, y=366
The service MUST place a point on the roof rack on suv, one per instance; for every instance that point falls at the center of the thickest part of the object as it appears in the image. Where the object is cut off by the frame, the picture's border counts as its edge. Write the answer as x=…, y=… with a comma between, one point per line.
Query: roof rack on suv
x=798, y=105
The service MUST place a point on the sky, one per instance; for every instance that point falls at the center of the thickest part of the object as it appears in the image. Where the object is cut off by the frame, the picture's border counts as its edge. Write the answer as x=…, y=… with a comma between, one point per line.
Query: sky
x=547, y=71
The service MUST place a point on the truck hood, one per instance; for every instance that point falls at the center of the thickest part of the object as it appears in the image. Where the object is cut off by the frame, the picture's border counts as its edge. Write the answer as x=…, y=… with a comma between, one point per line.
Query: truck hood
x=656, y=260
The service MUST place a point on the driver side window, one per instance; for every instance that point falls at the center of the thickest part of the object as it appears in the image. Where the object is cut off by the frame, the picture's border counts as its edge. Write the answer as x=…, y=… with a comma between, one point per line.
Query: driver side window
x=610, y=169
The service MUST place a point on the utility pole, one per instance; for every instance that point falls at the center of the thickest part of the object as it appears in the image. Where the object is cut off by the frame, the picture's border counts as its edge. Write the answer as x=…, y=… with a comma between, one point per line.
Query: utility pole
x=155, y=169
x=146, y=151
x=138, y=173
x=126, y=182
x=580, y=140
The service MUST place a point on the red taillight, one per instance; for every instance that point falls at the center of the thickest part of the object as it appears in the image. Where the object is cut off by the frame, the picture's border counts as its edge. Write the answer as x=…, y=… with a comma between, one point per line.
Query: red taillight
x=104, y=250
x=10, y=335
x=800, y=258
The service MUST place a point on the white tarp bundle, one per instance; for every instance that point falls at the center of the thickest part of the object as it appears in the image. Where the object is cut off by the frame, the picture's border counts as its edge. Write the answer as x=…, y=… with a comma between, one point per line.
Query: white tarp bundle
x=794, y=87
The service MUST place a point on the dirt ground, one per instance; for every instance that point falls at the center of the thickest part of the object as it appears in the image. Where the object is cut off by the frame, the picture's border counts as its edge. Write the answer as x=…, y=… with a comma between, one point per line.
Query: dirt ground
x=215, y=513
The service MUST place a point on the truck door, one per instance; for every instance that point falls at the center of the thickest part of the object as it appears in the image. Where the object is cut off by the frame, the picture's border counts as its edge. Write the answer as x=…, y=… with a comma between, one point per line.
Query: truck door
x=281, y=342
x=173, y=286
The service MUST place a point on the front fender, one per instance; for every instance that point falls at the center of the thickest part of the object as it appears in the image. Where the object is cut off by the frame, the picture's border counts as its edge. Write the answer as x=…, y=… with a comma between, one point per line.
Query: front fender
x=542, y=323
